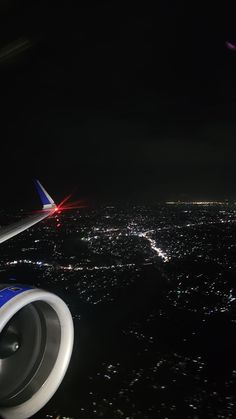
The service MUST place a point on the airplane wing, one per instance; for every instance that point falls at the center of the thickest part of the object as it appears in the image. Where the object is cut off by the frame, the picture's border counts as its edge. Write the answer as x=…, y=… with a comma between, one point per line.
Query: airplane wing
x=49, y=207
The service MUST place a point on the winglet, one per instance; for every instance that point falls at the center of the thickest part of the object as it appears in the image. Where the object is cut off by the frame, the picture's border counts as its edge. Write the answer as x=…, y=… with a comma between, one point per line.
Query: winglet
x=47, y=201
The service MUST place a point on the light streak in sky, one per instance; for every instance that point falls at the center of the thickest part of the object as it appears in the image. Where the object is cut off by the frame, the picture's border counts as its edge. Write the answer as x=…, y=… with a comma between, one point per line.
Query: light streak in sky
x=65, y=205
x=230, y=46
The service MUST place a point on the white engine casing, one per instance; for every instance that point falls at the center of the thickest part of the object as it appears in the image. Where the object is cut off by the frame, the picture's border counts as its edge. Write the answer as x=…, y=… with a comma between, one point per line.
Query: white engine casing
x=49, y=313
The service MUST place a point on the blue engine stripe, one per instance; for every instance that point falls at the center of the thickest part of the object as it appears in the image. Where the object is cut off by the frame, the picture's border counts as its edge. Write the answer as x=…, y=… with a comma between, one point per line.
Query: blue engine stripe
x=8, y=293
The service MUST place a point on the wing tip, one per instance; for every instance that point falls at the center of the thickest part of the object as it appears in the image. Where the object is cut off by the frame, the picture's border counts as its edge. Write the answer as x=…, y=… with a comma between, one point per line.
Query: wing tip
x=46, y=199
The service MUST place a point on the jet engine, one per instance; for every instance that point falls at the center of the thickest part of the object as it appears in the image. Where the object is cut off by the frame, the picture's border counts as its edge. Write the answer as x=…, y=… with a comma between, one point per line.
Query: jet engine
x=36, y=341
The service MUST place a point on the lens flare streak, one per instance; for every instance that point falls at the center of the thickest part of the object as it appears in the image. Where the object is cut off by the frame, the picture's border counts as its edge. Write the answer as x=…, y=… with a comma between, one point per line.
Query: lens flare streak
x=63, y=206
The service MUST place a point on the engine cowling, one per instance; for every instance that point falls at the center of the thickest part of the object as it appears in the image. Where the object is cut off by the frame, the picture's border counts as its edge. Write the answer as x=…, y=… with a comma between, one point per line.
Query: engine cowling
x=36, y=342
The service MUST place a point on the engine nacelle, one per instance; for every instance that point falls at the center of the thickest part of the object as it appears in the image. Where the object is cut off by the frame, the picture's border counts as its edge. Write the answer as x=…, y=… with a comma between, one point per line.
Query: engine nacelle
x=36, y=342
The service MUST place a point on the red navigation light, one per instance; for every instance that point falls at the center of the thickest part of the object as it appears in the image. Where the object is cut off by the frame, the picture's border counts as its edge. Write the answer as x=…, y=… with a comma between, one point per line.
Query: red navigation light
x=65, y=205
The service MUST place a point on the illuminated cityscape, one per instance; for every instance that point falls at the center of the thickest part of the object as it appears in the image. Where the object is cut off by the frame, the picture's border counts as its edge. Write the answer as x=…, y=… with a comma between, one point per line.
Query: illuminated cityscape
x=125, y=111
x=153, y=297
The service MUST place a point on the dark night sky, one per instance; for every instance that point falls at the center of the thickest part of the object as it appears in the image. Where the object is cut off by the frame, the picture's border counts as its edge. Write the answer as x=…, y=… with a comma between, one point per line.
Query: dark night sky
x=118, y=101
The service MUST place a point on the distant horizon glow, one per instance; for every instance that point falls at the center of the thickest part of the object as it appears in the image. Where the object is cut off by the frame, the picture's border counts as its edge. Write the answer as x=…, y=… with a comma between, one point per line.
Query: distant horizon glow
x=196, y=203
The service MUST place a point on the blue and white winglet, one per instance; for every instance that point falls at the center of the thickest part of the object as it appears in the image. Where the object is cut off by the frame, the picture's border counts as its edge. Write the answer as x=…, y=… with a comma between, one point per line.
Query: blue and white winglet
x=49, y=207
